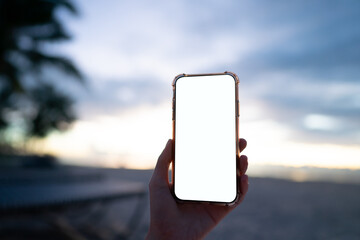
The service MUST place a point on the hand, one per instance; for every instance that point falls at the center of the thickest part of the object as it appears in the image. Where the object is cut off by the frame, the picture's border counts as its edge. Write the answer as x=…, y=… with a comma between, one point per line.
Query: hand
x=172, y=220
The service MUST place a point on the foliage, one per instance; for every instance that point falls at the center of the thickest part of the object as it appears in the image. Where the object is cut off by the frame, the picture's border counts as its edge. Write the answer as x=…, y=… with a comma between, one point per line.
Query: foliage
x=25, y=27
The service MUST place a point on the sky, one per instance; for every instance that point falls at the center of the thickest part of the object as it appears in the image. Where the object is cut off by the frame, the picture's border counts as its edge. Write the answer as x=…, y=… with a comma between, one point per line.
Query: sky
x=298, y=64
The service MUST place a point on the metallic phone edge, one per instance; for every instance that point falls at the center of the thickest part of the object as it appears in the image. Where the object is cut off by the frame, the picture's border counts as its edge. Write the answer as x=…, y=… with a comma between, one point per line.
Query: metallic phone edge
x=237, y=104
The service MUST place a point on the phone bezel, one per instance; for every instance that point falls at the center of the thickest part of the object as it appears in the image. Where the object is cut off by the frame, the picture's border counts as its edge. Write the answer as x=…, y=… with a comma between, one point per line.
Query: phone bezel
x=237, y=114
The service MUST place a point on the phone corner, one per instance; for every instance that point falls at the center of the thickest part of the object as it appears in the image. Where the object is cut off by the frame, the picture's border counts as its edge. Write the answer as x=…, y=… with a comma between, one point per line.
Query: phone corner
x=177, y=77
x=176, y=197
x=234, y=201
x=232, y=74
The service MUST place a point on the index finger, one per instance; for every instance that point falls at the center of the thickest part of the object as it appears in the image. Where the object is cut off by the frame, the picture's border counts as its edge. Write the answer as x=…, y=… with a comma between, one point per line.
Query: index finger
x=242, y=144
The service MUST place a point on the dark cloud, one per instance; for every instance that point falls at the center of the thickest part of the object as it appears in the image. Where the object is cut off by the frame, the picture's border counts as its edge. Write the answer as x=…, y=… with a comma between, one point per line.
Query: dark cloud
x=323, y=41
x=313, y=67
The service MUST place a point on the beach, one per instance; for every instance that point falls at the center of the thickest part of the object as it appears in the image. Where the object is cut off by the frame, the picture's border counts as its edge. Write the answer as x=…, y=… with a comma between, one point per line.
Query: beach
x=272, y=209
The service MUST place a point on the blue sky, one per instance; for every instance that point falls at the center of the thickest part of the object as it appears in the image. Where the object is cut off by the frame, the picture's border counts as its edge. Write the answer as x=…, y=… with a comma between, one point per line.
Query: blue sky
x=298, y=63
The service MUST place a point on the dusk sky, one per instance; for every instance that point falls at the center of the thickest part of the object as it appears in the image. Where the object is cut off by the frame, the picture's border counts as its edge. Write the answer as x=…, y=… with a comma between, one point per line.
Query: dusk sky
x=298, y=64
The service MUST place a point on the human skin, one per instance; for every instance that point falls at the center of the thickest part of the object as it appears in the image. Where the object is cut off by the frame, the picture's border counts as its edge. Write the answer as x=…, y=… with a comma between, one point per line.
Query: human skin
x=170, y=219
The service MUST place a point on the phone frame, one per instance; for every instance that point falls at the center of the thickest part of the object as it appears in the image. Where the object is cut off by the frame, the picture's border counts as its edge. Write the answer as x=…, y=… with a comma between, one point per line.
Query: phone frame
x=237, y=114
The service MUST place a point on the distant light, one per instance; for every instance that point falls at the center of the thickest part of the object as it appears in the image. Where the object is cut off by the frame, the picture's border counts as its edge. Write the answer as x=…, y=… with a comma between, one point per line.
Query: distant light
x=321, y=122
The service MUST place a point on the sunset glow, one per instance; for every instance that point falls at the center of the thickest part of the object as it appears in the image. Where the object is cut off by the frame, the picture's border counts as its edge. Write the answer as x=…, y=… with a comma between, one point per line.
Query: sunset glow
x=135, y=139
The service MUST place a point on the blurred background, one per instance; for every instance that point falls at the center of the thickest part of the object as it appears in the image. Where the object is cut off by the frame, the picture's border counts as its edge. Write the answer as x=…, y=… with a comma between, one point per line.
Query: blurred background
x=85, y=90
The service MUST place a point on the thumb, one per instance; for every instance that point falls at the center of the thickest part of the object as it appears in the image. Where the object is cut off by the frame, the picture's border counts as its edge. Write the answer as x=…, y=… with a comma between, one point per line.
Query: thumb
x=160, y=175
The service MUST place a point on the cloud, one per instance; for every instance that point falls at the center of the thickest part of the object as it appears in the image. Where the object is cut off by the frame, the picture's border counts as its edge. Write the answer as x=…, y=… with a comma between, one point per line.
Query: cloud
x=108, y=97
x=298, y=58
x=292, y=101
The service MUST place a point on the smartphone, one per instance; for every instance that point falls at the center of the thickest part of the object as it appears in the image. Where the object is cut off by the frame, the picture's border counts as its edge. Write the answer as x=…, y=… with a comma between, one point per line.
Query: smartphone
x=205, y=133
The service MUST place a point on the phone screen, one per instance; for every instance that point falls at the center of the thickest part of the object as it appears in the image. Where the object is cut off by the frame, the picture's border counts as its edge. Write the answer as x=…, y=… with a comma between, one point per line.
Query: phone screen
x=205, y=138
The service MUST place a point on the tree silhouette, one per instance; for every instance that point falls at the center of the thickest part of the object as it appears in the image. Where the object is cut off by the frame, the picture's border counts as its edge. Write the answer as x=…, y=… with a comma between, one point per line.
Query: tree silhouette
x=25, y=26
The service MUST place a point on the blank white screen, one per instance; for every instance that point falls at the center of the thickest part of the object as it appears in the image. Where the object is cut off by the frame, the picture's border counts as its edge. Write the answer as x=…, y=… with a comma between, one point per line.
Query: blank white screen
x=205, y=138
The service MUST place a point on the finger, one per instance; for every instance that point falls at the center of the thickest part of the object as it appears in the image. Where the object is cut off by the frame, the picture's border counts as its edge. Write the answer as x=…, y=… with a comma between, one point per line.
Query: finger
x=243, y=164
x=244, y=186
x=160, y=175
x=242, y=144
